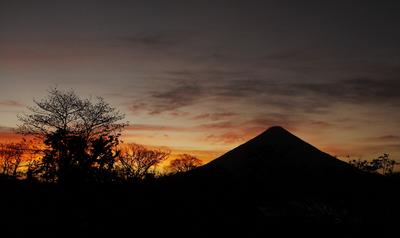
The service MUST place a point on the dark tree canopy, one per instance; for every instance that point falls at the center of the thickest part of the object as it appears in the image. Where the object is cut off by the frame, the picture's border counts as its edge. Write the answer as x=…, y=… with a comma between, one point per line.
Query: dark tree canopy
x=80, y=136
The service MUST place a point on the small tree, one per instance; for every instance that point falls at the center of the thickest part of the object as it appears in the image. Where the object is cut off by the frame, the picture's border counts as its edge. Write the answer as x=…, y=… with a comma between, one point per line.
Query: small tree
x=383, y=164
x=138, y=162
x=11, y=157
x=184, y=163
x=72, y=128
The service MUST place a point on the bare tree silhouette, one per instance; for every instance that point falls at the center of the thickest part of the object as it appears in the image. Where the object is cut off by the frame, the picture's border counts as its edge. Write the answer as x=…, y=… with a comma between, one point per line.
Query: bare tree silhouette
x=138, y=162
x=11, y=157
x=184, y=163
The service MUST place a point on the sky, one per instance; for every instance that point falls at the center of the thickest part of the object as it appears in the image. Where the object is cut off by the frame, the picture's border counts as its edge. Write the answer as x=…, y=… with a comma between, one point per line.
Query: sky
x=202, y=77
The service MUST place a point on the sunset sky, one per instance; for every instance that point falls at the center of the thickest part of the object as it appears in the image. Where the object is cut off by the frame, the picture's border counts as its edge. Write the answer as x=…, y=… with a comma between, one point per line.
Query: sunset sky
x=205, y=76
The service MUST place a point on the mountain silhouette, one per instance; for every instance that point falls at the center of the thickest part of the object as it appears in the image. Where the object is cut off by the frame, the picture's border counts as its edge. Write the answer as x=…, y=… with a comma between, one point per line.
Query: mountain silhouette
x=276, y=162
x=284, y=179
x=277, y=151
x=277, y=178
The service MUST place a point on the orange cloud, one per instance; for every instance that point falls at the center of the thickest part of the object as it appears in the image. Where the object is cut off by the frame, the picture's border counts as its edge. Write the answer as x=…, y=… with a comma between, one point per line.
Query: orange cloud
x=205, y=155
x=226, y=138
x=384, y=138
x=214, y=116
x=10, y=103
x=8, y=135
x=152, y=127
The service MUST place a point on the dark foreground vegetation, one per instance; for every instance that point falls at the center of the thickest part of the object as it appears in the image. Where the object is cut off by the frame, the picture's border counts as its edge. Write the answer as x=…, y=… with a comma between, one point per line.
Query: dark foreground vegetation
x=199, y=205
x=80, y=182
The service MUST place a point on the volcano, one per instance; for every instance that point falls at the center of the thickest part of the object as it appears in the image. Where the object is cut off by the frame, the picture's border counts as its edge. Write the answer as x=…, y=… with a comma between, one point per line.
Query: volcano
x=278, y=152
x=277, y=161
x=283, y=178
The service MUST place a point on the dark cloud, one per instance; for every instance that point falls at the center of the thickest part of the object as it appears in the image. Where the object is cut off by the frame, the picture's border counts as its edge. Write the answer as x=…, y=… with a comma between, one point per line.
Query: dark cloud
x=152, y=127
x=211, y=74
x=157, y=127
x=226, y=138
x=320, y=124
x=239, y=132
x=356, y=91
x=182, y=95
x=159, y=40
x=294, y=55
x=177, y=113
x=217, y=116
x=218, y=126
x=242, y=127
x=137, y=107
x=192, y=88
